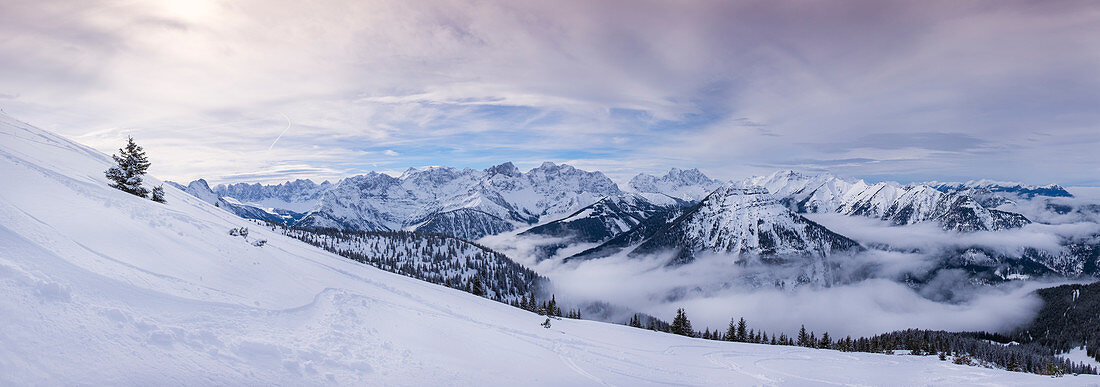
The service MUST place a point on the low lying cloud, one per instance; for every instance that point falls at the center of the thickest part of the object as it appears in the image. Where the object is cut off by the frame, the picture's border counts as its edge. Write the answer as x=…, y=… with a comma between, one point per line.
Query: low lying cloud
x=929, y=237
x=865, y=295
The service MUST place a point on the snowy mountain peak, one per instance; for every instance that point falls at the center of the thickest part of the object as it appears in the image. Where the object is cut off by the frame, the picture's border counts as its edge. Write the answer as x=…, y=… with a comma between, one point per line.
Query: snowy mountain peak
x=200, y=184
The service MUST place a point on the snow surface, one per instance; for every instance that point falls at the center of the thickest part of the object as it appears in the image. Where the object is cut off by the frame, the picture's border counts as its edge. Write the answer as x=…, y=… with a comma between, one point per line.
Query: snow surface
x=1079, y=355
x=101, y=287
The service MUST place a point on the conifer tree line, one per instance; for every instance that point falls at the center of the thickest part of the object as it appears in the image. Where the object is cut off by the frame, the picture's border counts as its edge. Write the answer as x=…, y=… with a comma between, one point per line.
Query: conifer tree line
x=439, y=259
x=1069, y=318
x=968, y=348
x=129, y=173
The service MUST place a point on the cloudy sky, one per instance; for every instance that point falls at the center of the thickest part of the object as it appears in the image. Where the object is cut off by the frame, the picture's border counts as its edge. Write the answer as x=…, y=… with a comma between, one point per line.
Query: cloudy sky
x=271, y=90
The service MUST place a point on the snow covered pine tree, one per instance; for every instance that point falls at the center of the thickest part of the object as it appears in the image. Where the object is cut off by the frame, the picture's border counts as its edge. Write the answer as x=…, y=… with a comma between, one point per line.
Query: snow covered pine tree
x=132, y=164
x=157, y=194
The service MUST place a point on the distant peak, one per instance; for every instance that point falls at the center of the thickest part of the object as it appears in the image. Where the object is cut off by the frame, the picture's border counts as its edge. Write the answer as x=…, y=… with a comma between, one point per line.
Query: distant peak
x=787, y=173
x=506, y=169
x=550, y=166
x=200, y=183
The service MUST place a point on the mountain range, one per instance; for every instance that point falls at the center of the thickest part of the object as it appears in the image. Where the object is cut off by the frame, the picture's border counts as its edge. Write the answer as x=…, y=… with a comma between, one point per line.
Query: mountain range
x=953, y=207
x=683, y=213
x=467, y=203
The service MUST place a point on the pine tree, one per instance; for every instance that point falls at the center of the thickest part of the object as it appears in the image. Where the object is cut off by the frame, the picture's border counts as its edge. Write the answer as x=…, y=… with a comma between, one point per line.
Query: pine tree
x=1013, y=363
x=552, y=307
x=742, y=333
x=731, y=332
x=803, y=338
x=681, y=325
x=158, y=194
x=634, y=322
x=476, y=288
x=132, y=164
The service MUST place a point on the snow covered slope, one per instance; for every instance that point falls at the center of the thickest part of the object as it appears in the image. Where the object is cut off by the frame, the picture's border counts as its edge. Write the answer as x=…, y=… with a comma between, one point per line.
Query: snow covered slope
x=104, y=288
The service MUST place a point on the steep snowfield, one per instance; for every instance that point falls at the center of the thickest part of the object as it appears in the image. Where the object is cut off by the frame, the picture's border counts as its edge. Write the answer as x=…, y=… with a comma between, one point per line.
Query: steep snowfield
x=105, y=288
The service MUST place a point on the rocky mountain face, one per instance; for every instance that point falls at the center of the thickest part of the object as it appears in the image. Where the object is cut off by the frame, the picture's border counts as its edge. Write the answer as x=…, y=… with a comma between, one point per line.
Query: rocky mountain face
x=889, y=201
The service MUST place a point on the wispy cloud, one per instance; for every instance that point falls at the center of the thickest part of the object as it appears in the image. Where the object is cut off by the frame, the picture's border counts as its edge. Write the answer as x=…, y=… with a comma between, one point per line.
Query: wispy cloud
x=918, y=91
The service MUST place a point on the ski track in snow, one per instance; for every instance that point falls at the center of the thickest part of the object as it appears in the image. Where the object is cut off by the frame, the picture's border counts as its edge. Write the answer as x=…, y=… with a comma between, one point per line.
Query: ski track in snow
x=104, y=288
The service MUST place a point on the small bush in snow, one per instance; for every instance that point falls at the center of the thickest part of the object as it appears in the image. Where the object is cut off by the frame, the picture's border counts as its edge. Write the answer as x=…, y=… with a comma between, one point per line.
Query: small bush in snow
x=158, y=194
